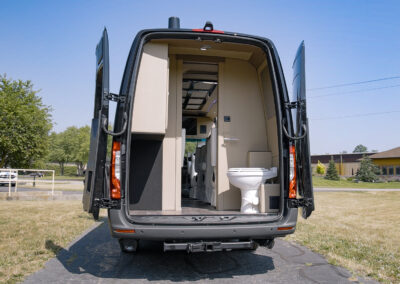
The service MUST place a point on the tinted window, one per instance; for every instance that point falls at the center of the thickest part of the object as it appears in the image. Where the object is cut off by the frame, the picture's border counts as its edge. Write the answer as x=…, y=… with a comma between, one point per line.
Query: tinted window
x=391, y=172
x=398, y=170
x=384, y=171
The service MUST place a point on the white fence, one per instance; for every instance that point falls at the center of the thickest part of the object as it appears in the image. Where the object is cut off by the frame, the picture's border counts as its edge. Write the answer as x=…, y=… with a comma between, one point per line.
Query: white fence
x=11, y=181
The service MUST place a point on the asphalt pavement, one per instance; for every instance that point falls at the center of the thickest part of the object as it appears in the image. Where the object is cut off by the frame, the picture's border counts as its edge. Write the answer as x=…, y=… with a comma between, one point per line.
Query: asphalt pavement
x=95, y=257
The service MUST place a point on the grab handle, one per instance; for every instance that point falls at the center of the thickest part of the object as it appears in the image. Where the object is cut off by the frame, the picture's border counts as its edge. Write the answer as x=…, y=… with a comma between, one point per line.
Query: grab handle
x=104, y=124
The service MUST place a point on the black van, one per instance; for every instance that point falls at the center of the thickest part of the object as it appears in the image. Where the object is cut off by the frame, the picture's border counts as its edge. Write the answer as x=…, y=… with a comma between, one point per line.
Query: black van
x=195, y=104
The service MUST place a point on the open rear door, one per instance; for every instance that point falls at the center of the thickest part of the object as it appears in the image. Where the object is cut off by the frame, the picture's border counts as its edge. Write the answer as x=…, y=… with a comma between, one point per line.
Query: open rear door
x=301, y=131
x=94, y=180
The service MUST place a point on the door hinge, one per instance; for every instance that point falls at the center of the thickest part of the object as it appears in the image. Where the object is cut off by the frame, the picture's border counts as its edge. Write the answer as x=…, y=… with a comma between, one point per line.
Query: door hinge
x=303, y=202
x=107, y=203
x=115, y=97
x=291, y=105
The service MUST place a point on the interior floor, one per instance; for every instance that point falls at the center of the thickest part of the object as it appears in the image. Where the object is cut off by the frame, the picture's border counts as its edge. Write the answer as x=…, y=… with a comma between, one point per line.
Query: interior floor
x=191, y=206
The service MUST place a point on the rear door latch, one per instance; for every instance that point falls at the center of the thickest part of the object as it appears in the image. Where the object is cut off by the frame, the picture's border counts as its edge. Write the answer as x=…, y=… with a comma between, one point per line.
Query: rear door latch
x=106, y=203
x=303, y=202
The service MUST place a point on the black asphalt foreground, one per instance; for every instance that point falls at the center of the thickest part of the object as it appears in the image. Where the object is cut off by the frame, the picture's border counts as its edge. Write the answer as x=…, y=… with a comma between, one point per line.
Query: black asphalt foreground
x=95, y=257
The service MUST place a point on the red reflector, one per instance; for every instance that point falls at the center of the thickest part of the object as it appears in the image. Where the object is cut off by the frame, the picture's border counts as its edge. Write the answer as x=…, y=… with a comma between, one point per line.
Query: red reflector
x=124, y=231
x=285, y=228
x=208, y=31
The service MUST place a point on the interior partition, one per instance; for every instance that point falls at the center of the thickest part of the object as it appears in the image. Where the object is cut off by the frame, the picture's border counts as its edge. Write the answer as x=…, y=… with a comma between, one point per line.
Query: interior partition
x=172, y=143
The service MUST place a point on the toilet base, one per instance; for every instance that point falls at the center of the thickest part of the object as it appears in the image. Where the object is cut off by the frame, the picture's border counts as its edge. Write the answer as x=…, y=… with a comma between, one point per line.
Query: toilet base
x=250, y=201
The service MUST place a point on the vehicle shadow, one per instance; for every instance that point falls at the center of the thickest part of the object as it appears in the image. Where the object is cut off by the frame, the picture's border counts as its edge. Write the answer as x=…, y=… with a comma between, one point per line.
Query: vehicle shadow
x=98, y=254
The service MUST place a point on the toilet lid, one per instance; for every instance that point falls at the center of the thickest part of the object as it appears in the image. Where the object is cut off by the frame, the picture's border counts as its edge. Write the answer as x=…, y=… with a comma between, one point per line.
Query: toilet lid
x=247, y=170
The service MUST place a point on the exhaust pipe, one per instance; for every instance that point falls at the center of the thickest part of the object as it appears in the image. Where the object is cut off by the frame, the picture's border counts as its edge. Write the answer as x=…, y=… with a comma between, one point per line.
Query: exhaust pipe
x=174, y=23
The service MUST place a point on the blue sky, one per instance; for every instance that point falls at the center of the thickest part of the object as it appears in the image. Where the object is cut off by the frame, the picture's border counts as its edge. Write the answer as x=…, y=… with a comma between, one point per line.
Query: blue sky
x=52, y=44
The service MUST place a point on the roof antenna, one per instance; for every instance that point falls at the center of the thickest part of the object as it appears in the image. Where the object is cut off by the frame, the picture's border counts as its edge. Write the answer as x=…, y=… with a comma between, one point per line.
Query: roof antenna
x=174, y=23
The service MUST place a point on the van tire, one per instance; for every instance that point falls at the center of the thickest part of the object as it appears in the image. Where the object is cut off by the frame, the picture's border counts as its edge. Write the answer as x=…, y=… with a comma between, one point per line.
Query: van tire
x=96, y=212
x=128, y=245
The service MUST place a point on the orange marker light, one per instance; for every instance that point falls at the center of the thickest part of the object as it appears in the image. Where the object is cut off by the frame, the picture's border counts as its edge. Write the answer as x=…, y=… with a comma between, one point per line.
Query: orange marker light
x=285, y=228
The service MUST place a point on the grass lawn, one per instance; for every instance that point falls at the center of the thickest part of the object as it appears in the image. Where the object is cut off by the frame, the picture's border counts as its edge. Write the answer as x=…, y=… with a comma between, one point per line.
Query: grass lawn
x=357, y=230
x=28, y=227
x=321, y=182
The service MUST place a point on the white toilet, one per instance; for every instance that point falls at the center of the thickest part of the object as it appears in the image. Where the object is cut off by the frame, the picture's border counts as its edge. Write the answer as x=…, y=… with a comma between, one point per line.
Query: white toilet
x=248, y=180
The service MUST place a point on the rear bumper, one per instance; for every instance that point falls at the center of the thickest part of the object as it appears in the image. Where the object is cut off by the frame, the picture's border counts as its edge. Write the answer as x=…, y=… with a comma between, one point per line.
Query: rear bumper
x=117, y=221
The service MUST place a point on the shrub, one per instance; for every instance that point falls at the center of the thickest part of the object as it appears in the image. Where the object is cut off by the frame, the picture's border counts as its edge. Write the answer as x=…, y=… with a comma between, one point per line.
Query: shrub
x=320, y=168
x=332, y=173
x=367, y=171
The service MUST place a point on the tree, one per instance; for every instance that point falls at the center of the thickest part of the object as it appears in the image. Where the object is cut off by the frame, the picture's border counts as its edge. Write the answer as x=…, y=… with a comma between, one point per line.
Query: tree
x=25, y=123
x=71, y=145
x=360, y=149
x=82, y=151
x=320, y=168
x=190, y=147
x=367, y=171
x=332, y=173
x=60, y=149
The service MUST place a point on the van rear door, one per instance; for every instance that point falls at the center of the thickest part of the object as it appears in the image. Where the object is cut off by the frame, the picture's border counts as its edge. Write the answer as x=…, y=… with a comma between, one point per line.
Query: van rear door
x=93, y=190
x=301, y=131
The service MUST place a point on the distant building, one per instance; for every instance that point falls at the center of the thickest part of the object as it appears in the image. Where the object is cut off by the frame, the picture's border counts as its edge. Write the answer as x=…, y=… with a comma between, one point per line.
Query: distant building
x=346, y=164
x=388, y=163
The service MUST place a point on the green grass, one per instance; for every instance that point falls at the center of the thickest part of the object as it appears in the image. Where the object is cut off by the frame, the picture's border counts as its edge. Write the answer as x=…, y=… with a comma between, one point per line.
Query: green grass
x=63, y=178
x=321, y=182
x=28, y=227
x=357, y=230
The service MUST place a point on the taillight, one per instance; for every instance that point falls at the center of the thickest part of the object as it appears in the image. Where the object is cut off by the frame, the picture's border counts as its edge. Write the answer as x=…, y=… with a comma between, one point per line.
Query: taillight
x=292, y=174
x=115, y=186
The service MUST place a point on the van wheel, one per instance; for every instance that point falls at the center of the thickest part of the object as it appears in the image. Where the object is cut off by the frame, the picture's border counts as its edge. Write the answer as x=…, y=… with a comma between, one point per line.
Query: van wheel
x=128, y=245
